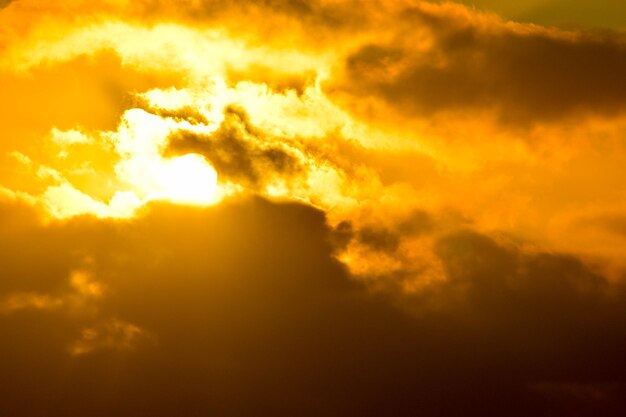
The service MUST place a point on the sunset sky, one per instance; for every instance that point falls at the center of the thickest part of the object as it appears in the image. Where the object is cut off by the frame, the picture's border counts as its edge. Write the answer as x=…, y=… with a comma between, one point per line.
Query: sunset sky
x=312, y=208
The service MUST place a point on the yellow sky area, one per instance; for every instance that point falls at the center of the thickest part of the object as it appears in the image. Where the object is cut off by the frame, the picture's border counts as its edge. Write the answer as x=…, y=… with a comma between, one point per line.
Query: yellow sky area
x=93, y=104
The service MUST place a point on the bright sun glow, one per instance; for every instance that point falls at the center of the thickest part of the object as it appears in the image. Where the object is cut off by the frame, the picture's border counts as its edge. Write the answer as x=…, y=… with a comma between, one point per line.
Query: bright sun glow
x=187, y=179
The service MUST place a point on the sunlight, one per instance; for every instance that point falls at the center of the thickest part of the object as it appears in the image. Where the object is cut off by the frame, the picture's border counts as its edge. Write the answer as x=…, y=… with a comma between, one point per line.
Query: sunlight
x=187, y=179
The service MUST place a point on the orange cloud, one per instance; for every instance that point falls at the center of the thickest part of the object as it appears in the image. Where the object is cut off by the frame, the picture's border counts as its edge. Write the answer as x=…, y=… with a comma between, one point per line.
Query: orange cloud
x=321, y=207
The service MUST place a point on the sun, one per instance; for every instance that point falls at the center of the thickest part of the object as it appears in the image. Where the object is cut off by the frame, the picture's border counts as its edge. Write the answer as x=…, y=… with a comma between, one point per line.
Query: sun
x=186, y=179
x=149, y=175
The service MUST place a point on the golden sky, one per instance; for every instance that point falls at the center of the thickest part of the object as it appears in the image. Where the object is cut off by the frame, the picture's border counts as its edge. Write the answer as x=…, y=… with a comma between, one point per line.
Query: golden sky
x=312, y=208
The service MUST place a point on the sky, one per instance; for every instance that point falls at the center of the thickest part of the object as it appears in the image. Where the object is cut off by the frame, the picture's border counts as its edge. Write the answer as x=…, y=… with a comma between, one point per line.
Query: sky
x=579, y=14
x=312, y=208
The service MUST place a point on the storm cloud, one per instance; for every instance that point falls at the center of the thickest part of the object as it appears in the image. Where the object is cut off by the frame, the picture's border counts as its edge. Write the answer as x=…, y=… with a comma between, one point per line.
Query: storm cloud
x=241, y=315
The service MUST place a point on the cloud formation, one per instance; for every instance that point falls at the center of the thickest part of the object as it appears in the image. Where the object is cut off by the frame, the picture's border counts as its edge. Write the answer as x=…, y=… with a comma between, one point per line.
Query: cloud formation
x=321, y=207
x=239, y=313
x=236, y=151
x=458, y=61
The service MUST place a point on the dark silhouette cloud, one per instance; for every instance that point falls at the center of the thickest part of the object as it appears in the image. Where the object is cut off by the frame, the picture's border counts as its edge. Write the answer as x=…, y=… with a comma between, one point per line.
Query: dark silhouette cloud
x=187, y=113
x=238, y=151
x=385, y=238
x=459, y=60
x=5, y=3
x=614, y=223
x=241, y=309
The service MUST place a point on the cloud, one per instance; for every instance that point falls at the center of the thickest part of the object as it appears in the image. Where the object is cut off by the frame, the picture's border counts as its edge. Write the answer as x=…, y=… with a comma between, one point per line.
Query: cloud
x=228, y=310
x=431, y=154
x=5, y=3
x=461, y=61
x=416, y=264
x=238, y=151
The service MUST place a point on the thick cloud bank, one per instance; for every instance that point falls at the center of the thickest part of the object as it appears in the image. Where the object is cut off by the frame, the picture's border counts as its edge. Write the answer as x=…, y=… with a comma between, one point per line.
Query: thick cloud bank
x=242, y=310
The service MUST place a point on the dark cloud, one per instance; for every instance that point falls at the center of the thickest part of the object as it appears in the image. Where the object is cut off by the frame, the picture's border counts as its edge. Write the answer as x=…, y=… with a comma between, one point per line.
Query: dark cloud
x=238, y=151
x=22, y=240
x=187, y=113
x=5, y=3
x=477, y=63
x=242, y=310
x=615, y=223
x=320, y=13
x=385, y=238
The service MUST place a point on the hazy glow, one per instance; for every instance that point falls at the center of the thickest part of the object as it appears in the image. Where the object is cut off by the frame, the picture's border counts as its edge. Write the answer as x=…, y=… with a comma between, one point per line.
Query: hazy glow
x=312, y=208
x=185, y=179
x=356, y=130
